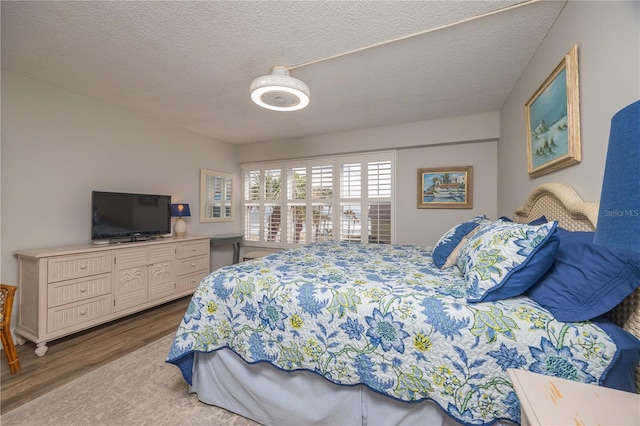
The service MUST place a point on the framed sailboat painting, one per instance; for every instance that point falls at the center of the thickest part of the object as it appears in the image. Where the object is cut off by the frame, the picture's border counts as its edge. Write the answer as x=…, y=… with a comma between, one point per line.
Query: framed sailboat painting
x=445, y=188
x=553, y=120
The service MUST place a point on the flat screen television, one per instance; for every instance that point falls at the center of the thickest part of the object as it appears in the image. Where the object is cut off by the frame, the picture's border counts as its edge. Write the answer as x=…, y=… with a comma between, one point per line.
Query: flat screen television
x=117, y=216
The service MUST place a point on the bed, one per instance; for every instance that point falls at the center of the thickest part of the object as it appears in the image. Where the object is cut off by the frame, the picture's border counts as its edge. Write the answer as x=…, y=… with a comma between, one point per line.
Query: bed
x=349, y=334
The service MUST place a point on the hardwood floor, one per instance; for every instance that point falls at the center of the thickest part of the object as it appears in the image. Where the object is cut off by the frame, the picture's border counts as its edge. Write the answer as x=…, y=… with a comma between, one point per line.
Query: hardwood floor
x=73, y=356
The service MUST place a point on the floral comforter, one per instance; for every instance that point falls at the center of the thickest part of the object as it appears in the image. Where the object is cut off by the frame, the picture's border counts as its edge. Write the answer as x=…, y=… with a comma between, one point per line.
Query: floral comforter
x=384, y=316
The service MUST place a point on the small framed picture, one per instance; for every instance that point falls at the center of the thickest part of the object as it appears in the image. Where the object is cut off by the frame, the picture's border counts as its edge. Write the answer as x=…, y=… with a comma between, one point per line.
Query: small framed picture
x=445, y=188
x=553, y=120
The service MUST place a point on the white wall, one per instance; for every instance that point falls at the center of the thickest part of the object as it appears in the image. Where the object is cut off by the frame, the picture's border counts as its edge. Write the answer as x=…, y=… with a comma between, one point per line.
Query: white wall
x=470, y=128
x=58, y=146
x=608, y=37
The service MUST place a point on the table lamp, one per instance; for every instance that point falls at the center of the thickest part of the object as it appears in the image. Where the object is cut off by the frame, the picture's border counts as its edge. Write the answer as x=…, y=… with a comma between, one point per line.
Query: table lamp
x=180, y=211
x=619, y=215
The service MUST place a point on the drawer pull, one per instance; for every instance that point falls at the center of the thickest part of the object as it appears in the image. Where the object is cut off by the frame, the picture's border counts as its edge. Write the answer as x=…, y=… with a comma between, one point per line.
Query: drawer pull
x=83, y=289
x=83, y=267
x=193, y=265
x=84, y=312
x=194, y=249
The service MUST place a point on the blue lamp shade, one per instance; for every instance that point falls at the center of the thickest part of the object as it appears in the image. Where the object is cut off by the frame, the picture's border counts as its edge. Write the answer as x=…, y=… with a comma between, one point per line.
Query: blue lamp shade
x=619, y=215
x=180, y=210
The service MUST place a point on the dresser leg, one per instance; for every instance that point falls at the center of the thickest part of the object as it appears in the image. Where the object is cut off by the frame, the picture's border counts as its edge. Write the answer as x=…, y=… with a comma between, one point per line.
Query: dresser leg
x=41, y=348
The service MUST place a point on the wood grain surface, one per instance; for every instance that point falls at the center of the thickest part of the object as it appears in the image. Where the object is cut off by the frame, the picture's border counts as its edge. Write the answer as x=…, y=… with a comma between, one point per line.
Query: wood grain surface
x=71, y=357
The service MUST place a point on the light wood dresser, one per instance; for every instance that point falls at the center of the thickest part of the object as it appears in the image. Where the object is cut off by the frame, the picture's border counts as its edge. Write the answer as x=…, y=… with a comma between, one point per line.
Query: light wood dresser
x=63, y=290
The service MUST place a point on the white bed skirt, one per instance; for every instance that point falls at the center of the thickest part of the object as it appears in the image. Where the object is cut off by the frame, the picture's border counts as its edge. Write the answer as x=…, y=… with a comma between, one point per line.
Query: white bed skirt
x=272, y=397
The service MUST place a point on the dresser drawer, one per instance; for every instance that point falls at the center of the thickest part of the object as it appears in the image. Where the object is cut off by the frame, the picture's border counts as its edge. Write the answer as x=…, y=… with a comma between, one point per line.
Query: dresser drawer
x=194, y=264
x=191, y=249
x=190, y=282
x=77, y=266
x=79, y=289
x=76, y=314
x=162, y=252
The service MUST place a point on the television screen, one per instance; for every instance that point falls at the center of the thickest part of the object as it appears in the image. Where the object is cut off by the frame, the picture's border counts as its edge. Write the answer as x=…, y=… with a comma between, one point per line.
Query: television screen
x=117, y=215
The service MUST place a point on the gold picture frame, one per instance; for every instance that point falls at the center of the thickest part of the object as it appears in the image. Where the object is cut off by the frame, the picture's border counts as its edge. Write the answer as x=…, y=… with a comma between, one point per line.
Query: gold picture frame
x=553, y=120
x=445, y=188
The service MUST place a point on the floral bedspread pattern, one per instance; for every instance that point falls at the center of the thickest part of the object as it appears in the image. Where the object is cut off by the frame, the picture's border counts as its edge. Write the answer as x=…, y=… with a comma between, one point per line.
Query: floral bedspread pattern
x=384, y=316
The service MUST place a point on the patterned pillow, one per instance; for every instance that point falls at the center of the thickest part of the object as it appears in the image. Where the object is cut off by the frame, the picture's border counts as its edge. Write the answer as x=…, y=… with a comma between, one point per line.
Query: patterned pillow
x=446, y=249
x=453, y=257
x=504, y=259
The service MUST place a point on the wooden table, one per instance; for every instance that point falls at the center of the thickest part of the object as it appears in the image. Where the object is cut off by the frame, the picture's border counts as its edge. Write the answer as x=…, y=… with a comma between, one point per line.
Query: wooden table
x=235, y=239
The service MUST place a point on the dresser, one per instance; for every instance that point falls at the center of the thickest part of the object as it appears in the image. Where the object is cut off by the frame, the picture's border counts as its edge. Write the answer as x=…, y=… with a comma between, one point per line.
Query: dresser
x=64, y=290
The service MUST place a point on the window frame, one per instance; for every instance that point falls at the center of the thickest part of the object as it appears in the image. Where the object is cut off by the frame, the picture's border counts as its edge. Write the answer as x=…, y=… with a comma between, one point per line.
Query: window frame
x=216, y=184
x=286, y=234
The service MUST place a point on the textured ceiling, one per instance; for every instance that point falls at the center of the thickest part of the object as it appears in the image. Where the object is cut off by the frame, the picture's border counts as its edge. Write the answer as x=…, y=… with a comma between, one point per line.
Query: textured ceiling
x=191, y=63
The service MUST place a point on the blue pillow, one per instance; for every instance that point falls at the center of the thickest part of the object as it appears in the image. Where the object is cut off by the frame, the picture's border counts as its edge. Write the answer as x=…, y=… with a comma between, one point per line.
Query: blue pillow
x=621, y=372
x=539, y=221
x=503, y=259
x=448, y=243
x=587, y=279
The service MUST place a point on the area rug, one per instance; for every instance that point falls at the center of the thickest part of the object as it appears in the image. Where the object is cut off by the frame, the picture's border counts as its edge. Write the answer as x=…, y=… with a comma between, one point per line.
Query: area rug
x=137, y=389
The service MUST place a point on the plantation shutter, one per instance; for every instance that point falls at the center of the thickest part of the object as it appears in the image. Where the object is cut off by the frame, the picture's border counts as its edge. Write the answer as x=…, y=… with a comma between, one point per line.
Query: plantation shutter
x=272, y=208
x=379, y=202
x=346, y=198
x=366, y=198
x=252, y=201
x=321, y=202
x=350, y=201
x=296, y=204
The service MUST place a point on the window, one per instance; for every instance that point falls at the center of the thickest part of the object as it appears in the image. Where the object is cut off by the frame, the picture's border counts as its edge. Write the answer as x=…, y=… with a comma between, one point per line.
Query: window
x=215, y=196
x=348, y=198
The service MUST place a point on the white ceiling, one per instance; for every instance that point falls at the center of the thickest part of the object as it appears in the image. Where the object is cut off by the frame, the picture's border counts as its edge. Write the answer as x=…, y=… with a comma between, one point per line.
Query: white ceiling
x=191, y=63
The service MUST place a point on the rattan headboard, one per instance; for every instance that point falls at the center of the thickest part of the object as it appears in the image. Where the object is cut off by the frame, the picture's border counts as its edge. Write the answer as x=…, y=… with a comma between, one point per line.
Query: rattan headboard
x=558, y=201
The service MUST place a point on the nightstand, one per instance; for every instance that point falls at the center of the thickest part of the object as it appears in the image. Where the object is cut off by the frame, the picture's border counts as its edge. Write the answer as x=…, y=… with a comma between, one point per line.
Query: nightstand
x=548, y=400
